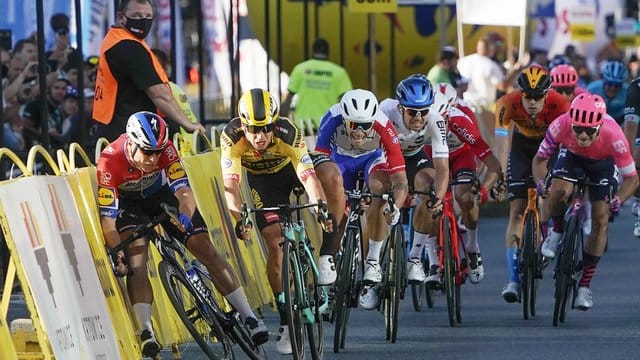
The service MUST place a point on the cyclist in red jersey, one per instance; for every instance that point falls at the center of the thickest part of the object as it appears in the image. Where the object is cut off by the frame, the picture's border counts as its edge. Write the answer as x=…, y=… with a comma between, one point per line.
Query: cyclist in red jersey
x=465, y=145
x=527, y=112
x=136, y=173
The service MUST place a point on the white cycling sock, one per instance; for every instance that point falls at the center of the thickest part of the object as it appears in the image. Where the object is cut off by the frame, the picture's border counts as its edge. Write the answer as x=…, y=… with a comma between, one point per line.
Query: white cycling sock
x=142, y=313
x=419, y=239
x=472, y=241
x=432, y=250
x=238, y=300
x=374, y=250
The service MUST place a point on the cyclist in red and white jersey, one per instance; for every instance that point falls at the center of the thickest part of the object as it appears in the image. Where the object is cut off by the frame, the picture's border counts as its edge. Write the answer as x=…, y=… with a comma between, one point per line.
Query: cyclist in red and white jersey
x=465, y=145
x=590, y=142
x=136, y=173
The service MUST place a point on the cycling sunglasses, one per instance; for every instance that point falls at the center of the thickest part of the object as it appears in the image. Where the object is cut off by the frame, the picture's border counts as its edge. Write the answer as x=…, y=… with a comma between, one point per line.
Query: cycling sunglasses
x=590, y=131
x=149, y=152
x=350, y=124
x=565, y=89
x=254, y=129
x=416, y=112
x=612, y=84
x=535, y=97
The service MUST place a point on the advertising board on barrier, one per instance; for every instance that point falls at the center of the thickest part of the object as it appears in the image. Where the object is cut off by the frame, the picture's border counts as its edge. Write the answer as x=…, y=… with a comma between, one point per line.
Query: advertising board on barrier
x=57, y=261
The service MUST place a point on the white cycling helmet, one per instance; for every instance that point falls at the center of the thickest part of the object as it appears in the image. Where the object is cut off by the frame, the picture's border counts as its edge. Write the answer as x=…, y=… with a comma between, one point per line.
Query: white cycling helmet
x=147, y=130
x=440, y=104
x=449, y=92
x=359, y=106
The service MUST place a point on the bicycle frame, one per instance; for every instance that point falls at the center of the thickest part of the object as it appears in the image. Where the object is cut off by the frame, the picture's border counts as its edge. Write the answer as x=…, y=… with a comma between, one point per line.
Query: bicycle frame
x=295, y=233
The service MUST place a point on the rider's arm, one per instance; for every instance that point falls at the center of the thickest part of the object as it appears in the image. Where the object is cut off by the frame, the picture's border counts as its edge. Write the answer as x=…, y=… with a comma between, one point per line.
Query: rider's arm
x=187, y=203
x=632, y=112
x=327, y=130
x=400, y=188
x=628, y=186
x=494, y=171
x=547, y=148
x=501, y=132
x=539, y=167
x=111, y=236
x=441, y=166
x=232, y=196
x=231, y=167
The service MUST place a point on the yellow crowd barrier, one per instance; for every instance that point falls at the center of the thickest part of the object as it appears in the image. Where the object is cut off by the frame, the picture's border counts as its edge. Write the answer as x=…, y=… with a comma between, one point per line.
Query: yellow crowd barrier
x=247, y=258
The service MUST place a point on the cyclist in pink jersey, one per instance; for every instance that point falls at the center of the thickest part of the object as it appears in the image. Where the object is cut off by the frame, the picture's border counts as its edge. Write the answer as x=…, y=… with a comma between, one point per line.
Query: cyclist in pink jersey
x=590, y=142
x=564, y=80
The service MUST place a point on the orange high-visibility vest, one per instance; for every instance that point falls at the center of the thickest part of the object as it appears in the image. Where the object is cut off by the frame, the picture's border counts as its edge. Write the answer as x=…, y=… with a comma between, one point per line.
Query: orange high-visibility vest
x=106, y=91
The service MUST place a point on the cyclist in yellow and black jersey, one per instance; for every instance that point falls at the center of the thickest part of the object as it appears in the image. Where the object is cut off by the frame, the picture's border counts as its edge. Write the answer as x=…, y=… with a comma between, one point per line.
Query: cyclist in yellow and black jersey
x=273, y=152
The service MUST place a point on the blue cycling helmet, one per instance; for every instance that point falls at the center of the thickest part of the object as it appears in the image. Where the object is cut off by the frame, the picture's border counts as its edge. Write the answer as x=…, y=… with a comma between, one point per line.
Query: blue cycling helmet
x=614, y=72
x=415, y=92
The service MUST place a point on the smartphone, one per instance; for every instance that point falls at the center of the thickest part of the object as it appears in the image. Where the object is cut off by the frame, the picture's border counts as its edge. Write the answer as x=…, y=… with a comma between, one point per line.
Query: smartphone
x=5, y=39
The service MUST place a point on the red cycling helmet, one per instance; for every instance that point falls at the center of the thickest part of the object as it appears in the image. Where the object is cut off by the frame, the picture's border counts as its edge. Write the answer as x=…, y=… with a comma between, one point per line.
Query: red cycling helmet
x=587, y=110
x=564, y=76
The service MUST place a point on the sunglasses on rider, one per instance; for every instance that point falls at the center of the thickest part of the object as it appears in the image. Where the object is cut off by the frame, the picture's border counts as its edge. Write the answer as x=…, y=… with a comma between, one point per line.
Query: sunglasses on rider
x=356, y=125
x=416, y=112
x=568, y=90
x=535, y=97
x=149, y=152
x=254, y=129
x=590, y=131
x=612, y=84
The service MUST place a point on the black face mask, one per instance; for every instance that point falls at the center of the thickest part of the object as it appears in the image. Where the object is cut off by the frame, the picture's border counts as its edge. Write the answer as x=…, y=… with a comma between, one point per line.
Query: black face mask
x=138, y=27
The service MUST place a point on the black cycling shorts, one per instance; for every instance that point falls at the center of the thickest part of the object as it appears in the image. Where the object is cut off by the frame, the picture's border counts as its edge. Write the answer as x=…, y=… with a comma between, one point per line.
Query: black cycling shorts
x=134, y=212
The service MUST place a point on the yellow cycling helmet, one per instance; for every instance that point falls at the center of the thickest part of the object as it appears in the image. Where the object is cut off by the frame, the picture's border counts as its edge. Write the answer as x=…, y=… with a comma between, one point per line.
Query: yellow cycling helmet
x=258, y=107
x=534, y=80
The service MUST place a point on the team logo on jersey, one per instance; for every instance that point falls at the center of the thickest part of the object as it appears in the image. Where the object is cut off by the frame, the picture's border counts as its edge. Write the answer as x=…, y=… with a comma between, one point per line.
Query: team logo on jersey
x=106, y=196
x=226, y=163
x=306, y=159
x=175, y=171
x=106, y=178
x=171, y=153
x=620, y=146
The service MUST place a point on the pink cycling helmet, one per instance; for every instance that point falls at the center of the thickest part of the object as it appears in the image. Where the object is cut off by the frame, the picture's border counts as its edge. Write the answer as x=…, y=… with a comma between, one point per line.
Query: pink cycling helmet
x=563, y=76
x=587, y=110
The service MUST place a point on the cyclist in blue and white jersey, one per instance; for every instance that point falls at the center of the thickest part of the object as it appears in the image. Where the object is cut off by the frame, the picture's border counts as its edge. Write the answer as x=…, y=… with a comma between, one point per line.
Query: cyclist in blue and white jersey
x=360, y=137
x=416, y=125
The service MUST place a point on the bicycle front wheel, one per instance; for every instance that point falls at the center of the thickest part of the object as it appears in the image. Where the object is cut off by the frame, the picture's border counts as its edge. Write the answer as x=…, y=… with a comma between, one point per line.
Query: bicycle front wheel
x=394, y=281
x=196, y=315
x=345, y=287
x=314, y=298
x=292, y=288
x=564, y=271
x=528, y=266
x=449, y=272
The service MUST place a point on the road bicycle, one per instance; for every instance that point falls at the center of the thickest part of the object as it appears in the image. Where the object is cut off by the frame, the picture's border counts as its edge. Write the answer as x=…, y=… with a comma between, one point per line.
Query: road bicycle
x=568, y=269
x=305, y=301
x=530, y=259
x=349, y=267
x=189, y=287
x=451, y=249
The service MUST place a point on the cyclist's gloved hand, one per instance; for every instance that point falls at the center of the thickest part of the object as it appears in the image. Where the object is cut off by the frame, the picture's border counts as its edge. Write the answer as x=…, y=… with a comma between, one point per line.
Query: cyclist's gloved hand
x=324, y=218
x=498, y=189
x=541, y=188
x=119, y=263
x=435, y=205
x=392, y=216
x=614, y=204
x=483, y=195
x=242, y=230
x=185, y=221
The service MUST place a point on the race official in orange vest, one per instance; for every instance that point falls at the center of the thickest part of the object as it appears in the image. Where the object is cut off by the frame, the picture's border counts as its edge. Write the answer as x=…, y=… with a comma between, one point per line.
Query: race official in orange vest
x=129, y=77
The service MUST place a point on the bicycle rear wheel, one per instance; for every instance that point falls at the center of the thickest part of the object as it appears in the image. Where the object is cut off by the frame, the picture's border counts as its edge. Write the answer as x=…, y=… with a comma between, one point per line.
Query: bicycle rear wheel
x=449, y=271
x=528, y=266
x=292, y=283
x=344, y=288
x=416, y=296
x=195, y=314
